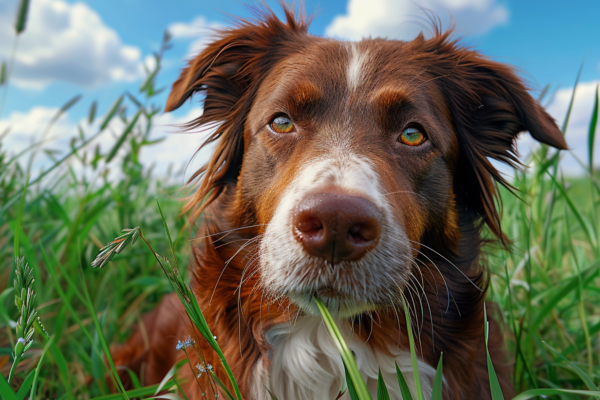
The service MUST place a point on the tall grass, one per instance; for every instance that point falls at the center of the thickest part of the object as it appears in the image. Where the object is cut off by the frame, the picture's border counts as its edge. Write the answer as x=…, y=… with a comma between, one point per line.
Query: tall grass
x=547, y=284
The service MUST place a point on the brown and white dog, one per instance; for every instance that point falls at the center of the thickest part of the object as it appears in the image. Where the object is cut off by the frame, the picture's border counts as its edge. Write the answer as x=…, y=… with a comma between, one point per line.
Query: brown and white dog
x=359, y=172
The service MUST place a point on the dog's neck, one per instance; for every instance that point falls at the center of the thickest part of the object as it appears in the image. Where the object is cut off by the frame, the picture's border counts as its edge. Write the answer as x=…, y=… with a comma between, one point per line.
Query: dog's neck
x=304, y=363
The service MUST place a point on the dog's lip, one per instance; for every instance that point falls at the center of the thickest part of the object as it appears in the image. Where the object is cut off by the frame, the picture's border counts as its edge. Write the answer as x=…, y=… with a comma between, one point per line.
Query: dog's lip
x=330, y=292
x=325, y=292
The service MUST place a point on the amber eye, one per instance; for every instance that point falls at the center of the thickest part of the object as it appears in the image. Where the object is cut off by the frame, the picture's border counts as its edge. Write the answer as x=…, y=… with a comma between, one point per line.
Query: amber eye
x=282, y=124
x=412, y=137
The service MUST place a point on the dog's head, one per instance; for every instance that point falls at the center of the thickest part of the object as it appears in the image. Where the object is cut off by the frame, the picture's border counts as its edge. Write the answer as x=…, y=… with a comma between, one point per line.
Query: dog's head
x=354, y=155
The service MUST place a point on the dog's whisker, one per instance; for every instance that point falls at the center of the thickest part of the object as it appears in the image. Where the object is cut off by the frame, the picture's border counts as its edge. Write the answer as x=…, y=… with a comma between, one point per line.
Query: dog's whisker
x=256, y=238
x=450, y=262
x=227, y=231
x=405, y=191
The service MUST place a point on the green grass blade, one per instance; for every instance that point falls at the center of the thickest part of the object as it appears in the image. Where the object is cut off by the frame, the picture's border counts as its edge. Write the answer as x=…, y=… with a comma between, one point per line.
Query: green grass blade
x=557, y=294
x=436, y=391
x=494, y=384
x=192, y=309
x=272, y=395
x=355, y=377
x=164, y=221
x=20, y=220
x=25, y=386
x=65, y=158
x=168, y=376
x=404, y=390
x=413, y=353
x=226, y=391
x=92, y=112
x=21, y=20
x=592, y=132
x=530, y=394
x=6, y=391
x=90, y=307
x=141, y=392
x=149, y=80
x=570, y=108
x=61, y=363
x=3, y=73
x=584, y=377
x=382, y=392
x=39, y=367
x=111, y=113
x=65, y=108
x=349, y=385
x=4, y=317
x=123, y=136
x=573, y=208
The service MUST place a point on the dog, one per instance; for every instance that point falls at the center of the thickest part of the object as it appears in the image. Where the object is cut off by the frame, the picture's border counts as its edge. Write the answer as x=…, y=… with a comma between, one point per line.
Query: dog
x=357, y=172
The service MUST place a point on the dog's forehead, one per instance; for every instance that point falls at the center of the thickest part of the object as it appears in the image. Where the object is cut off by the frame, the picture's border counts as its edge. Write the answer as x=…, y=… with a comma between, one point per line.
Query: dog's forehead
x=348, y=67
x=344, y=74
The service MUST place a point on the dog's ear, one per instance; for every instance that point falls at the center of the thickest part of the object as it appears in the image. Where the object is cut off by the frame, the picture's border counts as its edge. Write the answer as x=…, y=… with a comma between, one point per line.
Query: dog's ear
x=226, y=74
x=490, y=106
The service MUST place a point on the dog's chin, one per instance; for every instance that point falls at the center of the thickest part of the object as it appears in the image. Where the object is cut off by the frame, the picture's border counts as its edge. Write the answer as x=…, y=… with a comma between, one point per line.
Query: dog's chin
x=338, y=304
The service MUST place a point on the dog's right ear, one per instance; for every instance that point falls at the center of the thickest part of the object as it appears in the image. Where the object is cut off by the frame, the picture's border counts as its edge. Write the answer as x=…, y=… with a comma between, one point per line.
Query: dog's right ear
x=226, y=74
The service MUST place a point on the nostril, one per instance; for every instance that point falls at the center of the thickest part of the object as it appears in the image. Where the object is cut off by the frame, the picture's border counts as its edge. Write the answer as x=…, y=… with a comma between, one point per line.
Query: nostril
x=363, y=233
x=309, y=225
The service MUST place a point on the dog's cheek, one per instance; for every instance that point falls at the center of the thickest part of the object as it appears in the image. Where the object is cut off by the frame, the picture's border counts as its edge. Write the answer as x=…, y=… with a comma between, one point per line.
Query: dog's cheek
x=264, y=181
x=258, y=170
x=406, y=204
x=440, y=213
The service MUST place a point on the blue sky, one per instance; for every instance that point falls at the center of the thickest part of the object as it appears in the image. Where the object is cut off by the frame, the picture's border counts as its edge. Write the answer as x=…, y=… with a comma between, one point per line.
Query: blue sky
x=97, y=47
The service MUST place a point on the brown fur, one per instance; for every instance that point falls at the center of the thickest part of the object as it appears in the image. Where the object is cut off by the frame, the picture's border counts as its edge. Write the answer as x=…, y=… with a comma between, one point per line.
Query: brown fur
x=473, y=109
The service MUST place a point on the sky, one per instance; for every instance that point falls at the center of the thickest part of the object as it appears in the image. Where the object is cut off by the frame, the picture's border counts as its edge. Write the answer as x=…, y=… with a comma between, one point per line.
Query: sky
x=98, y=48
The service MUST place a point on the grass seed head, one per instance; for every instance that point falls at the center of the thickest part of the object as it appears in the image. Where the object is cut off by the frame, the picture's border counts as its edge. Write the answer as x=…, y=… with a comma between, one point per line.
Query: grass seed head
x=115, y=247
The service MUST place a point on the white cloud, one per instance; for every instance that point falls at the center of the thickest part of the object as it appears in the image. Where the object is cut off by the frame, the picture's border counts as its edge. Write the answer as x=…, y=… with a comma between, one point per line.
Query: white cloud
x=200, y=30
x=66, y=42
x=576, y=134
x=404, y=19
x=578, y=126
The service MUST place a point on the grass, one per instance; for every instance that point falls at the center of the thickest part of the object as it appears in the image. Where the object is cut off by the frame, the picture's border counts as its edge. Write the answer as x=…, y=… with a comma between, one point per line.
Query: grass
x=547, y=285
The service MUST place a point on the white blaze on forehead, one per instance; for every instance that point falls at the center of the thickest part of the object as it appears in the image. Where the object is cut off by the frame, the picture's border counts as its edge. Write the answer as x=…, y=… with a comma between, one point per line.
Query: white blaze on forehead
x=356, y=64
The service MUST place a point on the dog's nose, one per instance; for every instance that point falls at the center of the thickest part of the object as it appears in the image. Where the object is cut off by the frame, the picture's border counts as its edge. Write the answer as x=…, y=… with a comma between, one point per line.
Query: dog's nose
x=337, y=227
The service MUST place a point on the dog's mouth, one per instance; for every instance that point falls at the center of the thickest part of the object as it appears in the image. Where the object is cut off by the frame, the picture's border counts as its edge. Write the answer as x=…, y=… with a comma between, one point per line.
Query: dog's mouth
x=340, y=302
x=330, y=292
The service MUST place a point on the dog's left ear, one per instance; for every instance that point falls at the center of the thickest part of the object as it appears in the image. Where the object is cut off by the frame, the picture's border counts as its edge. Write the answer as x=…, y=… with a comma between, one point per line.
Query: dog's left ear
x=226, y=75
x=490, y=106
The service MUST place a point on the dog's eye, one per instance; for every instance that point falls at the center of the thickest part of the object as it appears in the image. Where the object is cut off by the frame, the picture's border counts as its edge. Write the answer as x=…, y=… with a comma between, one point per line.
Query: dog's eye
x=282, y=124
x=412, y=137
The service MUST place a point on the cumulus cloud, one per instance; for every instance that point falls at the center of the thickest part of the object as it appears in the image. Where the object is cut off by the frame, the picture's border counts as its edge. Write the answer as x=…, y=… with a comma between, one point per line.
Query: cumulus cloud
x=66, y=42
x=404, y=19
x=199, y=30
x=577, y=128
x=576, y=133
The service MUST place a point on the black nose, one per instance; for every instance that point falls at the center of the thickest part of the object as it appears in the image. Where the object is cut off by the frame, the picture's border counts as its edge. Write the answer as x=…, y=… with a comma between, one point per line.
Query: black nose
x=337, y=227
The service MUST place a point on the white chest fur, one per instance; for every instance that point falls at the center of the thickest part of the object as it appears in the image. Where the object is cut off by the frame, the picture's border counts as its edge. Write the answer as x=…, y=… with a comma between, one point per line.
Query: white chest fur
x=305, y=364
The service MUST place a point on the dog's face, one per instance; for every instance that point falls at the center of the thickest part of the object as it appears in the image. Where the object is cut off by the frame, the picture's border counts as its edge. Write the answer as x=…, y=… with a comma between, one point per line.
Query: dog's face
x=353, y=155
x=347, y=157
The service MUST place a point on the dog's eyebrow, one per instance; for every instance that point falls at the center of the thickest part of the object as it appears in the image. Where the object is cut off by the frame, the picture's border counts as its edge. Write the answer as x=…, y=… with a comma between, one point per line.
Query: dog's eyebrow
x=387, y=102
x=388, y=99
x=301, y=97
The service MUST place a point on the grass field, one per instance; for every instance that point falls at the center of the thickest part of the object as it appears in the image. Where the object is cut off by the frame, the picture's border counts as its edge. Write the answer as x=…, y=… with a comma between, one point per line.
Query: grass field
x=547, y=284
